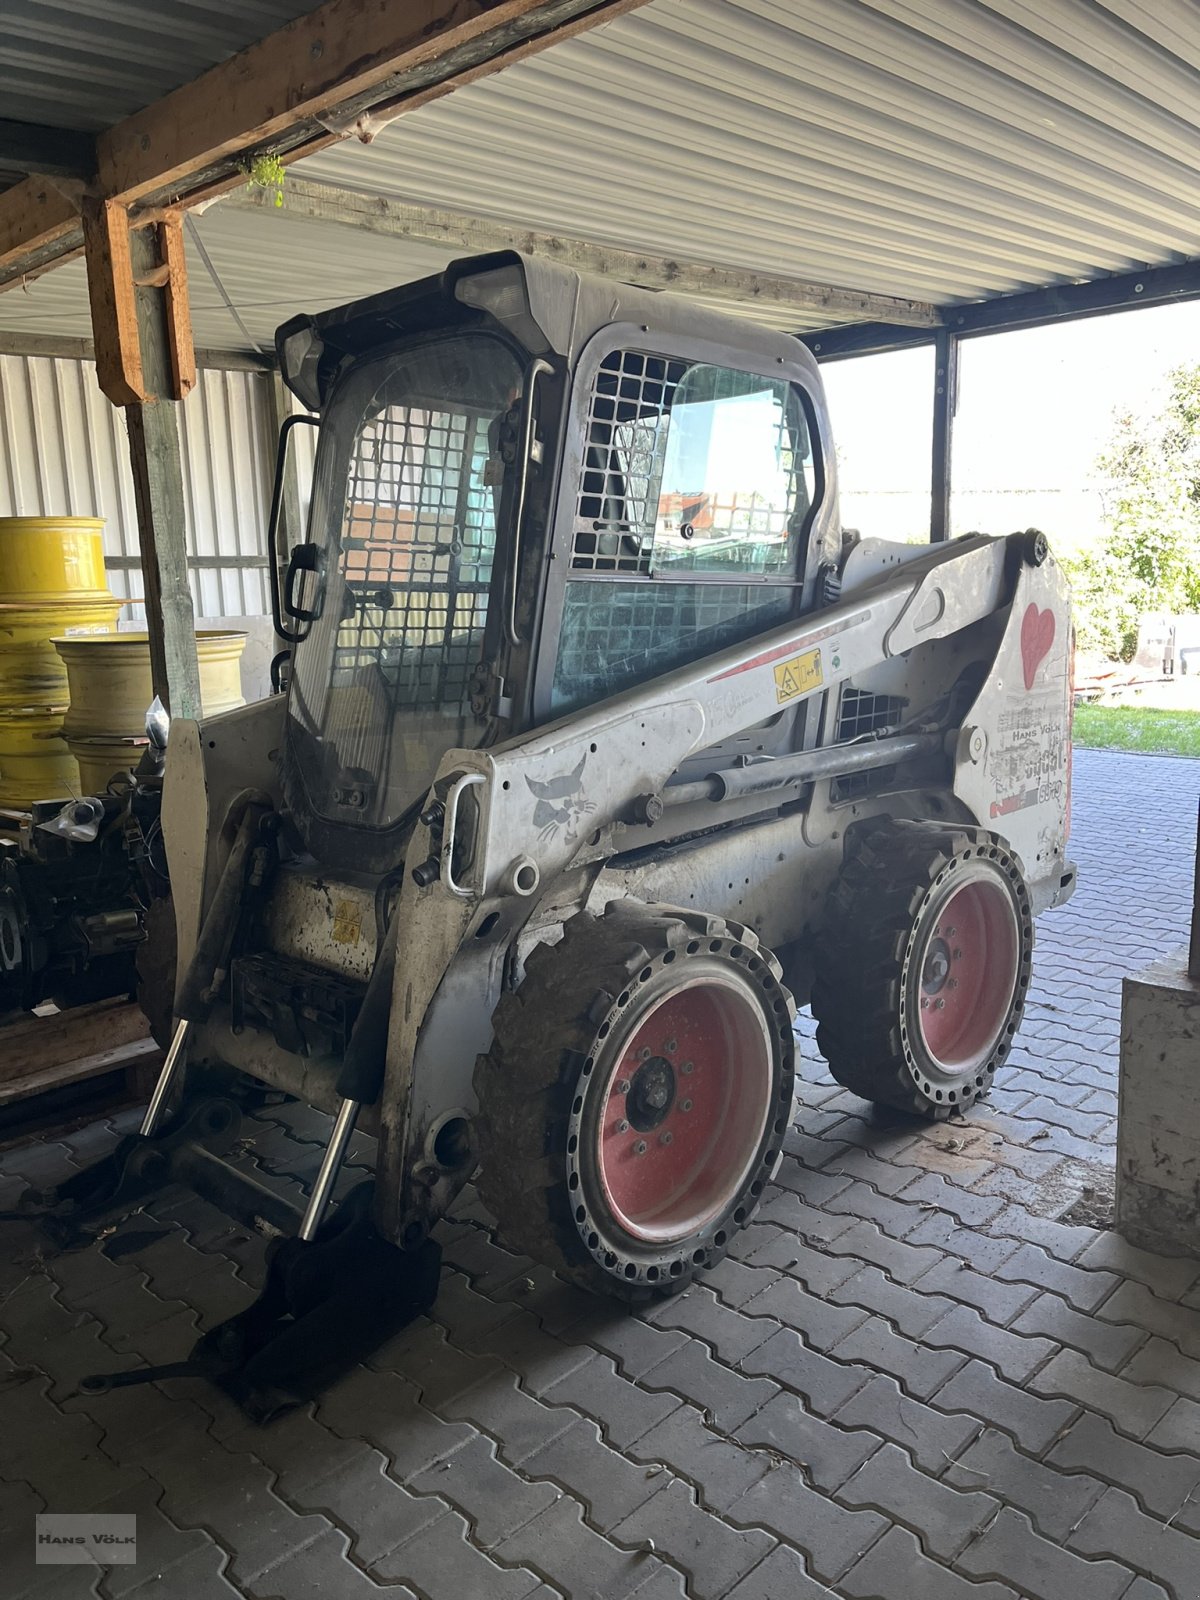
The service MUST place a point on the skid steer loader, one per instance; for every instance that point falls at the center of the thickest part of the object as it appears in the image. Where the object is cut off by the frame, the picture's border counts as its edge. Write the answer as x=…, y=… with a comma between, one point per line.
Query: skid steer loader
x=602, y=747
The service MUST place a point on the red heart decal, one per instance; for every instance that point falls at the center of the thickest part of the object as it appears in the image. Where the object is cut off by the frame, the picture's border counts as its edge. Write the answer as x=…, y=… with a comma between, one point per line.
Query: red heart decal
x=1037, y=635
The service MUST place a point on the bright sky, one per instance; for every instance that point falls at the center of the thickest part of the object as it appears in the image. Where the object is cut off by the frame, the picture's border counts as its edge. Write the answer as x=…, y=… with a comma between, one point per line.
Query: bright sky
x=1034, y=409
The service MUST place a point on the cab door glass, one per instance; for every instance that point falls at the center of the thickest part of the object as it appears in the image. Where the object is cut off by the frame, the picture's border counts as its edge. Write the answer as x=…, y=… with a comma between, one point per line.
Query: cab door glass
x=737, y=476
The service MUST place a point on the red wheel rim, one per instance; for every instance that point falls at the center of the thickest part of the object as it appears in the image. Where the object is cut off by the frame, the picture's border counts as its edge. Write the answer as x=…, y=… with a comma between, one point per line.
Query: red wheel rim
x=968, y=977
x=684, y=1110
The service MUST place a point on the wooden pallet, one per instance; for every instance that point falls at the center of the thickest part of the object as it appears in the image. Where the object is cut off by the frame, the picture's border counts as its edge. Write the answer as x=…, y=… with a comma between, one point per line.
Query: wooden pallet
x=47, y=1051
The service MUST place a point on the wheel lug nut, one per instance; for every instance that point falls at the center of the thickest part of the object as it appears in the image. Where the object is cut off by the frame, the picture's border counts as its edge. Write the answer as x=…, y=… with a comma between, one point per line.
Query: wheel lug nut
x=685, y=1105
x=924, y=1005
x=940, y=1004
x=950, y=932
x=665, y=1136
x=623, y=1086
x=670, y=1047
x=952, y=983
x=639, y=1148
x=622, y=1126
x=644, y=1053
x=687, y=1067
x=958, y=955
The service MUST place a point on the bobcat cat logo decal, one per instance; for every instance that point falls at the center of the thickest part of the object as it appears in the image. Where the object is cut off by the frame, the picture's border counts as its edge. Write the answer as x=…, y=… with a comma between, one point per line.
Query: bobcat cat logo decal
x=559, y=806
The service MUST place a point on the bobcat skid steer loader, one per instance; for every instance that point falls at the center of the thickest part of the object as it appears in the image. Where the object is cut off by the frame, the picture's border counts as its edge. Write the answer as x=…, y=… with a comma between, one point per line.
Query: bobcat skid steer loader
x=602, y=747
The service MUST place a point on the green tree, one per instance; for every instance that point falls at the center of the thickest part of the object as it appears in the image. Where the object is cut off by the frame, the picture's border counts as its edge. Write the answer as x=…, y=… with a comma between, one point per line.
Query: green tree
x=1150, y=557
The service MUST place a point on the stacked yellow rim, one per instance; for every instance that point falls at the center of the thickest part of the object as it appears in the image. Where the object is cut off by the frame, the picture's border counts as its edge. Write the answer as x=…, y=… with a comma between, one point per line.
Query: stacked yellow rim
x=51, y=584
x=111, y=688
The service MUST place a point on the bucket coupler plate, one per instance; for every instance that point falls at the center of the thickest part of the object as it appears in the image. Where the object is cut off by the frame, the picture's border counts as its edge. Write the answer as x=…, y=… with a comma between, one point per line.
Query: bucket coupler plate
x=135, y=1168
x=326, y=1305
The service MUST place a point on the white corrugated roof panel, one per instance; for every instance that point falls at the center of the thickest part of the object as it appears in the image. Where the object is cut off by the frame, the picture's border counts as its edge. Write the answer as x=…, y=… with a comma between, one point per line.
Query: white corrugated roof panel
x=88, y=63
x=944, y=150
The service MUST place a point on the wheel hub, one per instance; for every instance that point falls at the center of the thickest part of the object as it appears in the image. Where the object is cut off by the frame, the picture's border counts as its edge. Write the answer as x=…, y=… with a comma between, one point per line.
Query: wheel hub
x=651, y=1094
x=937, y=967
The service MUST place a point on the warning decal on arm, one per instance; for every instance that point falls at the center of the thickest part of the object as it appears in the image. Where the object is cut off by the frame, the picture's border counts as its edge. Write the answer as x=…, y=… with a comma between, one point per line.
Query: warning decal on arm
x=798, y=675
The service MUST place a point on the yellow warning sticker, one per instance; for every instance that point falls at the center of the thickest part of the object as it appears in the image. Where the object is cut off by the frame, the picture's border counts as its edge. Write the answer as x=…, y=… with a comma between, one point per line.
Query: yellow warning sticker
x=347, y=922
x=798, y=676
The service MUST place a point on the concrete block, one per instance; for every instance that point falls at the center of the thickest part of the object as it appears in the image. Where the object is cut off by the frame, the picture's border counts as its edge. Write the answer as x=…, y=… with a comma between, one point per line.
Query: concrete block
x=1158, y=1131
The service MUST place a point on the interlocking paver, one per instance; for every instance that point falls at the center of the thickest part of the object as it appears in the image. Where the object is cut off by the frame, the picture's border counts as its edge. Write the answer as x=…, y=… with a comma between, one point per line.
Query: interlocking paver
x=920, y=1370
x=971, y=1210
x=598, y=1390
x=825, y=1384
x=714, y=1553
x=817, y=1270
x=931, y=1437
x=981, y=1251
x=788, y=1211
x=1162, y=1481
x=912, y=1312
x=727, y=1396
x=492, y=1497
x=1011, y=1552
x=732, y=1334
x=502, y=1409
x=945, y=1518
x=1084, y=1288
x=782, y=1576
x=1179, y=1429
x=636, y=1346
x=896, y=1566
x=887, y=1331
x=1133, y=1302
x=198, y=1576
x=1055, y=1500
x=1033, y=1422
x=576, y=1560
x=1159, y=1361
x=161, y=1540
x=827, y=1455
x=868, y=1242
x=830, y=1537
x=1116, y=1526
x=962, y=1328
x=821, y=1323
x=383, y=1409
x=999, y=1302
x=609, y=1484
x=1133, y=1407
x=1107, y=1345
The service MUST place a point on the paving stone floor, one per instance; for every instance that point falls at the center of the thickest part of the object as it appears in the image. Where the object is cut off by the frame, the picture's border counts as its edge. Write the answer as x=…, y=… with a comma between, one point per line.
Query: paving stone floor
x=911, y=1380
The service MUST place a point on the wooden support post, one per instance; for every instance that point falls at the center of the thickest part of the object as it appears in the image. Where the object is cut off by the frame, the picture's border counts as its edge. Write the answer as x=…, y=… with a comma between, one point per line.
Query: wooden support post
x=114, y=306
x=945, y=404
x=137, y=283
x=155, y=457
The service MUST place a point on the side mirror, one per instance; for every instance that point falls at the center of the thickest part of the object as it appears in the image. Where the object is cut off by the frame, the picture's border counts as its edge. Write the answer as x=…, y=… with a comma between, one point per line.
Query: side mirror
x=305, y=558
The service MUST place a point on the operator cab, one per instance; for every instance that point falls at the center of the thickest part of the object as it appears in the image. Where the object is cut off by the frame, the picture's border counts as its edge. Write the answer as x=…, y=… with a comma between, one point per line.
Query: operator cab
x=532, y=492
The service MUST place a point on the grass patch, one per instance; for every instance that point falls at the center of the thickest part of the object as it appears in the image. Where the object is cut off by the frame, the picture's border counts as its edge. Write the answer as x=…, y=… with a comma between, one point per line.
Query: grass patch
x=1175, y=733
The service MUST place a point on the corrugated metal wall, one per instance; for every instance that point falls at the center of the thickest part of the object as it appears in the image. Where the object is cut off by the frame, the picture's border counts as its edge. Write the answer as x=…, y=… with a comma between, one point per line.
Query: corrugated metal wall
x=63, y=453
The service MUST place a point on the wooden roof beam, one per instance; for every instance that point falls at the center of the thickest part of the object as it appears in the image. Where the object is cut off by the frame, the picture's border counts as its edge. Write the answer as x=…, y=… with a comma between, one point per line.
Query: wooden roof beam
x=39, y=223
x=791, y=297
x=304, y=85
